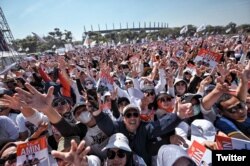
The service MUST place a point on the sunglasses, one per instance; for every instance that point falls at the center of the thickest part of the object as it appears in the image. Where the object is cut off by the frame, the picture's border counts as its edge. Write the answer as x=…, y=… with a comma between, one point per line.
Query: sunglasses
x=129, y=83
x=165, y=99
x=11, y=158
x=130, y=114
x=89, y=83
x=120, y=153
x=150, y=93
x=125, y=67
x=61, y=103
x=236, y=108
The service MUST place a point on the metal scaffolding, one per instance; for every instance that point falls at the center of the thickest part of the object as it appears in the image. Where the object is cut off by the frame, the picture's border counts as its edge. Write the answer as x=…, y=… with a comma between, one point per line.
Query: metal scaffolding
x=7, y=53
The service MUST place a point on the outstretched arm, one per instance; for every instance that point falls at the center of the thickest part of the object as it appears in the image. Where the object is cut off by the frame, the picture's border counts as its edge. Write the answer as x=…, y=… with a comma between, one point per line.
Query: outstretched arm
x=76, y=156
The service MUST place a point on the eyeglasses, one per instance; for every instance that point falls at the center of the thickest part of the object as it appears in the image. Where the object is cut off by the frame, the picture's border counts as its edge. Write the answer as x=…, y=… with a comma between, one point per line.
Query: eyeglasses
x=129, y=83
x=150, y=93
x=61, y=103
x=11, y=158
x=236, y=108
x=165, y=99
x=120, y=153
x=130, y=114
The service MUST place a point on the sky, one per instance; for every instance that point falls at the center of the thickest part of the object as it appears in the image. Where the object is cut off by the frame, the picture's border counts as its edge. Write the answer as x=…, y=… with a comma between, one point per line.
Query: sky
x=42, y=16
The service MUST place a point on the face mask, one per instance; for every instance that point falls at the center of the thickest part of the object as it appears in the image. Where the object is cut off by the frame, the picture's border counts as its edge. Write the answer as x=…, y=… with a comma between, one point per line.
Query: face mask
x=196, y=109
x=89, y=86
x=85, y=117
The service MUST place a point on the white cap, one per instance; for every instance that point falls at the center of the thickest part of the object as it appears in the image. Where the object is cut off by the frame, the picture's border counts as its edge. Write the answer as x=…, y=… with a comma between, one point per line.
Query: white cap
x=93, y=160
x=107, y=93
x=119, y=141
x=130, y=106
x=202, y=130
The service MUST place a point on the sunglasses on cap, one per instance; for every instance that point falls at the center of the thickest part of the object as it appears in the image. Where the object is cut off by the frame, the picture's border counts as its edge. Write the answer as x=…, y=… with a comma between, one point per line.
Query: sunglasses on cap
x=132, y=114
x=120, y=153
x=165, y=99
x=236, y=108
x=57, y=103
x=11, y=158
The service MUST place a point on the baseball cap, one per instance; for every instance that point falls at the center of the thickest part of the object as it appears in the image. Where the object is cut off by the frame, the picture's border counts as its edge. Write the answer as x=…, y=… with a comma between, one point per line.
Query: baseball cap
x=119, y=141
x=123, y=99
x=179, y=80
x=169, y=154
x=78, y=105
x=202, y=130
x=93, y=160
x=131, y=106
x=186, y=98
x=148, y=88
x=107, y=93
x=163, y=94
x=187, y=71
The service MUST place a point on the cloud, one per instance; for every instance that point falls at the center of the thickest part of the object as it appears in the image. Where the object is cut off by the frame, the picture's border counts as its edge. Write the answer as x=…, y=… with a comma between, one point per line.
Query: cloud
x=31, y=9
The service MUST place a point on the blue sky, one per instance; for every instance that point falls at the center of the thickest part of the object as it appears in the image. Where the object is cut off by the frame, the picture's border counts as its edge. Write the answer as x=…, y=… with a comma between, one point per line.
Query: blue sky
x=42, y=16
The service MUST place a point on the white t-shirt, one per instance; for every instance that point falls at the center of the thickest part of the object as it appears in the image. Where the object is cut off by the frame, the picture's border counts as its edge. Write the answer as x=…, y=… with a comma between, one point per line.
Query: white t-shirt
x=97, y=140
x=25, y=125
x=13, y=116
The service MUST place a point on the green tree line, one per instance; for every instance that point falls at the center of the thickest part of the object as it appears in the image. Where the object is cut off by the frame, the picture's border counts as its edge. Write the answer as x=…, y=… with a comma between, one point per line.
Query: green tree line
x=57, y=38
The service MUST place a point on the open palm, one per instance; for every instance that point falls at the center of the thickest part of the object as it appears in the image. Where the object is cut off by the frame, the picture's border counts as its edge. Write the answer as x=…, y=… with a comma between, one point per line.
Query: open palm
x=35, y=99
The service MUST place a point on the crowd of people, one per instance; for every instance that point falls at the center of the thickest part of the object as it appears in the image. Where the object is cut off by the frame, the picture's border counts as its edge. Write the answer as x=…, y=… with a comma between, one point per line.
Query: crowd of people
x=132, y=104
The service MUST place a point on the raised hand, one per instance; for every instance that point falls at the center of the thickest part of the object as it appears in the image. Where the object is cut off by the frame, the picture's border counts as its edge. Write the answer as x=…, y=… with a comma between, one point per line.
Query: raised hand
x=35, y=99
x=134, y=73
x=178, y=140
x=183, y=110
x=76, y=156
x=114, y=94
x=11, y=102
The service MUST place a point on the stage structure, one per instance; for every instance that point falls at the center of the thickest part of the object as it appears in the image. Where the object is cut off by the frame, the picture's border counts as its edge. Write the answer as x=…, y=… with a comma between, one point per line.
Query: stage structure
x=7, y=53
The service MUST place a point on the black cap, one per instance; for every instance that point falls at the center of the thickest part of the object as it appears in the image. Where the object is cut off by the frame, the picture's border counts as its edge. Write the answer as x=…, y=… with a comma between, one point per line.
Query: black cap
x=122, y=99
x=163, y=94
